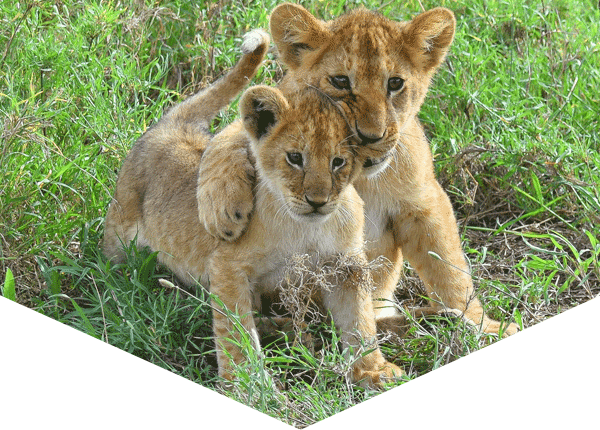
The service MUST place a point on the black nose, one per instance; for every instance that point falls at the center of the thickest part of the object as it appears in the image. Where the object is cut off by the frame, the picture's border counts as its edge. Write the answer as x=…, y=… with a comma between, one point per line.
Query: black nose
x=365, y=140
x=316, y=205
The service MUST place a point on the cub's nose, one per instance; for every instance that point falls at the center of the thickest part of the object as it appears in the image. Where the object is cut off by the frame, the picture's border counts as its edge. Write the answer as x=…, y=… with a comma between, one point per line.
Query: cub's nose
x=316, y=204
x=368, y=139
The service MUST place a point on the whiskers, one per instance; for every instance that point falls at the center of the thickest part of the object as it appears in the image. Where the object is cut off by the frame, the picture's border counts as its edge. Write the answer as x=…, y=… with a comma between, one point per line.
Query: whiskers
x=278, y=203
x=322, y=93
x=345, y=214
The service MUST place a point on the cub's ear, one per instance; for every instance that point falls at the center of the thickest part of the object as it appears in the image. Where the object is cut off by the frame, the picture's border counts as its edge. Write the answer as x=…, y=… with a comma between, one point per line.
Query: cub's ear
x=261, y=108
x=296, y=32
x=429, y=36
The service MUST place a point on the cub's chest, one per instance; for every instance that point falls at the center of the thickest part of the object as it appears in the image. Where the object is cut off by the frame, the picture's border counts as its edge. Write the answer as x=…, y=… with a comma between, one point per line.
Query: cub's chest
x=284, y=271
x=313, y=244
x=377, y=218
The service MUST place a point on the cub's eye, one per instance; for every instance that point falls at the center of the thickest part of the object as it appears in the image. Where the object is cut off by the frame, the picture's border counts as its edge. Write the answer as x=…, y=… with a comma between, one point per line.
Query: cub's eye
x=341, y=82
x=337, y=163
x=395, y=84
x=294, y=159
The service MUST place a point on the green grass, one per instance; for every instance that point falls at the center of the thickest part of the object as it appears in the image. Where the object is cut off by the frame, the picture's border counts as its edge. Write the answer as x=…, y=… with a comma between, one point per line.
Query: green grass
x=513, y=119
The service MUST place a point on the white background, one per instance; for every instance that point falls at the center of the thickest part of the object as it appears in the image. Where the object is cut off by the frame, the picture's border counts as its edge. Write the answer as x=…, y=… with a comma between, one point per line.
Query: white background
x=544, y=377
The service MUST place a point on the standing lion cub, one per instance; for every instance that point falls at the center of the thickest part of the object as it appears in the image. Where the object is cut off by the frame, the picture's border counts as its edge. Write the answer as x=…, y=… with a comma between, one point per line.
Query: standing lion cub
x=305, y=204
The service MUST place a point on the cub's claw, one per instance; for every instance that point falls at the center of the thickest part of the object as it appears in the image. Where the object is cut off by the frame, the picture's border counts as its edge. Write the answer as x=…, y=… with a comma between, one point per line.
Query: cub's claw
x=224, y=211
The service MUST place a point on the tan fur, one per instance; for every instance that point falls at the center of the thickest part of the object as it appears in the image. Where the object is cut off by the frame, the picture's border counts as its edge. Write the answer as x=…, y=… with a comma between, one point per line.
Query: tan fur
x=408, y=214
x=307, y=208
x=181, y=135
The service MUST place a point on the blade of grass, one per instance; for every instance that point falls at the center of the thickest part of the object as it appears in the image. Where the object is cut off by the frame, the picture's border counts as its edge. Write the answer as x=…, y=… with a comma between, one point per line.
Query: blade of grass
x=8, y=290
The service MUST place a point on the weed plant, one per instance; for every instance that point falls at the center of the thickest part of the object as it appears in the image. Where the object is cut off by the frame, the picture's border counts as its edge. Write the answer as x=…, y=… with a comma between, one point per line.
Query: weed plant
x=513, y=120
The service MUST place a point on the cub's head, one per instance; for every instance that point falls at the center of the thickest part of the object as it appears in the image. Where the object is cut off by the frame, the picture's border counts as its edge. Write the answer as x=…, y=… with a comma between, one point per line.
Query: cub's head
x=376, y=69
x=303, y=149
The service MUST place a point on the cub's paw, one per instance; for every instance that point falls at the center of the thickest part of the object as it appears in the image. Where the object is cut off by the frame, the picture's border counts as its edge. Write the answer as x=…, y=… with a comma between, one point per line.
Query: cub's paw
x=377, y=379
x=425, y=312
x=495, y=327
x=224, y=210
x=224, y=192
x=485, y=324
x=395, y=324
x=253, y=40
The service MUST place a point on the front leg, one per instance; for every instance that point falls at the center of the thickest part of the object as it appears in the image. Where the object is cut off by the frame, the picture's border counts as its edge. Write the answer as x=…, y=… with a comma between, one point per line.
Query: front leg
x=226, y=178
x=230, y=285
x=428, y=235
x=351, y=308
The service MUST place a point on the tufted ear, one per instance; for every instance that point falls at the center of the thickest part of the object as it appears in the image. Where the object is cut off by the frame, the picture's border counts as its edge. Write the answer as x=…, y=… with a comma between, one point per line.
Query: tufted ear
x=296, y=32
x=261, y=108
x=429, y=36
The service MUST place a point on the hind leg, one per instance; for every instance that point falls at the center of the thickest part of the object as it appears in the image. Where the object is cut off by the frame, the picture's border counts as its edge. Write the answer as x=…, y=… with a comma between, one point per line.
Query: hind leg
x=230, y=284
x=121, y=225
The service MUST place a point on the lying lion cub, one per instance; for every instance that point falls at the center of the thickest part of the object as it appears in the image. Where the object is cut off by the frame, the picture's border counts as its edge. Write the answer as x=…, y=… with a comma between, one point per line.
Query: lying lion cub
x=305, y=204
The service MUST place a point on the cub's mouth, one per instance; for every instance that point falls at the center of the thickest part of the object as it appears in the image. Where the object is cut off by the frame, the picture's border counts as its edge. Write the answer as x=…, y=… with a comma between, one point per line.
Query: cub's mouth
x=373, y=166
x=313, y=217
x=371, y=162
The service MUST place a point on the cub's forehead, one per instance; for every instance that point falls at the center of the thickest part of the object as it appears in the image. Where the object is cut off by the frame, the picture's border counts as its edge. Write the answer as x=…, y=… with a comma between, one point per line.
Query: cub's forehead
x=366, y=40
x=321, y=128
x=314, y=122
x=365, y=30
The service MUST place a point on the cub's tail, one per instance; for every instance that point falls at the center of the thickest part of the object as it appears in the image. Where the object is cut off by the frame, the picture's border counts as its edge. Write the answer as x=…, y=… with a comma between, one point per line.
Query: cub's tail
x=201, y=108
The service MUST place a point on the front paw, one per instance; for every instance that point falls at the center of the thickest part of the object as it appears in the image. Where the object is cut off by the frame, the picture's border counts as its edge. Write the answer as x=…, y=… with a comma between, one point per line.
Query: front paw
x=224, y=207
x=388, y=372
x=495, y=327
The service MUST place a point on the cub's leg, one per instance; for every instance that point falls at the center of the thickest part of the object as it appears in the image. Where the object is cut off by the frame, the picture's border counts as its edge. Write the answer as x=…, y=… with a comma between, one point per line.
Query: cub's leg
x=225, y=183
x=386, y=274
x=430, y=227
x=120, y=228
x=123, y=221
x=227, y=177
x=351, y=308
x=231, y=286
x=114, y=232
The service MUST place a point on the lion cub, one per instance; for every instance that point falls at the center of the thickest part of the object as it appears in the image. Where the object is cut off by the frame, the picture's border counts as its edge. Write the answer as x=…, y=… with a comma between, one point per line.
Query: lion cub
x=378, y=72
x=305, y=204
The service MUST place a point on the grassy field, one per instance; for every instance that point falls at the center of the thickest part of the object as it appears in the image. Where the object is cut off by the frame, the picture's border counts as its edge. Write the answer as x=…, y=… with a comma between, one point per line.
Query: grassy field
x=513, y=120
